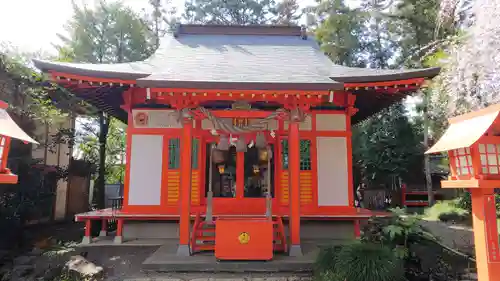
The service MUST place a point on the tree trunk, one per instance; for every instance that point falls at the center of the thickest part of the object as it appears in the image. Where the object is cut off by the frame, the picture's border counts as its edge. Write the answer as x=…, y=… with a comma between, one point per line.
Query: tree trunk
x=427, y=168
x=99, y=187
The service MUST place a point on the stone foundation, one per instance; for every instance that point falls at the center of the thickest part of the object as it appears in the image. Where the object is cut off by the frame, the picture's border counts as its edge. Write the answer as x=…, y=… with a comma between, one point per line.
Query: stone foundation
x=317, y=230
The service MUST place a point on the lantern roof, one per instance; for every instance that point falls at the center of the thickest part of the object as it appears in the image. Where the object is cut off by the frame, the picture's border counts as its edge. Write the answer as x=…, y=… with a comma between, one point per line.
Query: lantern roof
x=9, y=128
x=464, y=130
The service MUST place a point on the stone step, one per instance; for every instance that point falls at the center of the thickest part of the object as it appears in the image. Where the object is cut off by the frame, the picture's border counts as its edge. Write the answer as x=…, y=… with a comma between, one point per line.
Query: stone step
x=223, y=277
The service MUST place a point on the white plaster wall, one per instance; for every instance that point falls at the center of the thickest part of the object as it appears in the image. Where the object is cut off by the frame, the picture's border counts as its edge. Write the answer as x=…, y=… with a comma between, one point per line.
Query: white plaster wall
x=306, y=125
x=332, y=171
x=158, y=119
x=145, y=170
x=330, y=122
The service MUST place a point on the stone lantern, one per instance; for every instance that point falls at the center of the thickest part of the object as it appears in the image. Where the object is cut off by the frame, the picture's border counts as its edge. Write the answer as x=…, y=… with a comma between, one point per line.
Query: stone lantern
x=472, y=142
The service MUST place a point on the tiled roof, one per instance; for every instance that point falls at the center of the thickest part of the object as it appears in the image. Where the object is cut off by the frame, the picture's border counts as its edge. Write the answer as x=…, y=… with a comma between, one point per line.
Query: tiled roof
x=237, y=57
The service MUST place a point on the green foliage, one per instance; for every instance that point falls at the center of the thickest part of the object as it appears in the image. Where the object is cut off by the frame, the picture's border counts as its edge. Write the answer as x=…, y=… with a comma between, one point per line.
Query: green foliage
x=446, y=210
x=387, y=147
x=464, y=201
x=339, y=32
x=161, y=20
x=325, y=261
x=398, y=231
x=227, y=12
x=88, y=147
x=368, y=261
x=286, y=12
x=358, y=261
x=111, y=32
x=454, y=216
x=31, y=199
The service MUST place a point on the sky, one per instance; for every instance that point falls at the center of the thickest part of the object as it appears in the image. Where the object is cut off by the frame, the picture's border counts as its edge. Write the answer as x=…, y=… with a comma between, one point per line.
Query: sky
x=33, y=25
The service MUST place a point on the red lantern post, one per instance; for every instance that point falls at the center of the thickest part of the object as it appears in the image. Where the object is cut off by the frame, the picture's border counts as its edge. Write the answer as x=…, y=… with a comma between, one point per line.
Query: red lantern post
x=472, y=142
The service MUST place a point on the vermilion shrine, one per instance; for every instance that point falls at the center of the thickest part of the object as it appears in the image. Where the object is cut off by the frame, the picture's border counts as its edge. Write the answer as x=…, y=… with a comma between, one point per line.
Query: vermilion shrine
x=238, y=138
x=472, y=142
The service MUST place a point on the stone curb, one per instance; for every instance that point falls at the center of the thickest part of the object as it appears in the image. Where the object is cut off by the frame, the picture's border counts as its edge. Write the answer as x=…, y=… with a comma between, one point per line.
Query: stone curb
x=292, y=278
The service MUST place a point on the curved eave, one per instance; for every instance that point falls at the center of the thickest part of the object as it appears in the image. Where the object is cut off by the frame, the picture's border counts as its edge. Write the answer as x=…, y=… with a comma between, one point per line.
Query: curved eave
x=374, y=76
x=101, y=71
x=223, y=85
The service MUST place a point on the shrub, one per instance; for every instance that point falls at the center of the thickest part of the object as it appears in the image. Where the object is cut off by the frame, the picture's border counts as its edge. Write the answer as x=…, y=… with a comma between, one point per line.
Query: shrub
x=397, y=232
x=446, y=207
x=325, y=261
x=454, y=216
x=367, y=261
x=464, y=201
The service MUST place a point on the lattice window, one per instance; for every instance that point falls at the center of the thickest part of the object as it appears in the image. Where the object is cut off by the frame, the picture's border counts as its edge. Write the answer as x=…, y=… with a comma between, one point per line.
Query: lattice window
x=284, y=154
x=490, y=159
x=305, y=155
x=463, y=161
x=196, y=147
x=174, y=153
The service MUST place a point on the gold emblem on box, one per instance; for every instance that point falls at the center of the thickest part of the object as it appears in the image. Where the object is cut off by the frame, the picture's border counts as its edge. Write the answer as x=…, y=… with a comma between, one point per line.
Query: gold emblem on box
x=244, y=238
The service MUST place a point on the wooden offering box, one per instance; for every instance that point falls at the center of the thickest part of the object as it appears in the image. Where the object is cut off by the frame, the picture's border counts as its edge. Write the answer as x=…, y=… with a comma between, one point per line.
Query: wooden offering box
x=244, y=239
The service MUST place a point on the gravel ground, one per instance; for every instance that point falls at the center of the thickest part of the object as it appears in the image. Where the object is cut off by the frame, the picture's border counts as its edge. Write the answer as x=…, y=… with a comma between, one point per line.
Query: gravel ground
x=456, y=236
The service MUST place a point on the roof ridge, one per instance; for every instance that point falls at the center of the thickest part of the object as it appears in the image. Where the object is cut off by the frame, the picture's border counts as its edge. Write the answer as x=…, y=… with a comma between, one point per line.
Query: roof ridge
x=218, y=29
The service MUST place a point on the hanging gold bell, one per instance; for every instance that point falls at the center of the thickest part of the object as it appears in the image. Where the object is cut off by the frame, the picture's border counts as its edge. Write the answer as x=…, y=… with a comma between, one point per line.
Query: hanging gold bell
x=241, y=145
x=260, y=140
x=263, y=155
x=221, y=168
x=223, y=143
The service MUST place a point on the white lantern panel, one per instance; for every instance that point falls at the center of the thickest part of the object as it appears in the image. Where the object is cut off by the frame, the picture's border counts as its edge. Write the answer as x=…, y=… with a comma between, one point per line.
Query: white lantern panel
x=482, y=148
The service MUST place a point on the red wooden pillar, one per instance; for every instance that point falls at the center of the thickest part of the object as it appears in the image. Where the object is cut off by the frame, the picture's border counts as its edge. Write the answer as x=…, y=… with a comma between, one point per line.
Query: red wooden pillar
x=185, y=192
x=119, y=232
x=104, y=228
x=294, y=197
x=485, y=234
x=87, y=239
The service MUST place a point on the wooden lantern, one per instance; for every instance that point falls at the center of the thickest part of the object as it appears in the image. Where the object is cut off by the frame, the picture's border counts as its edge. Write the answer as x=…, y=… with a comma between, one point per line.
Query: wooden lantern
x=472, y=142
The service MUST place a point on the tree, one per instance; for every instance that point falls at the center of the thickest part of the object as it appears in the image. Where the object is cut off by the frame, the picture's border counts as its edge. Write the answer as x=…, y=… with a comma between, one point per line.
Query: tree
x=227, y=12
x=416, y=22
x=387, y=146
x=110, y=33
x=286, y=12
x=378, y=42
x=469, y=77
x=161, y=19
x=88, y=146
x=339, y=32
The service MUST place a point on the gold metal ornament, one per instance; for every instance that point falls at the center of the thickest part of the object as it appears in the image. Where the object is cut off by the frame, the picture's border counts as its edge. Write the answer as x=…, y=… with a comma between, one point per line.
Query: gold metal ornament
x=244, y=238
x=256, y=169
x=221, y=169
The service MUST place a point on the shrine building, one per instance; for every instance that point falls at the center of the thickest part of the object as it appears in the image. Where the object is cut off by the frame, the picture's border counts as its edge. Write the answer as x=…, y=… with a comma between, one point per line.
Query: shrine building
x=238, y=136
